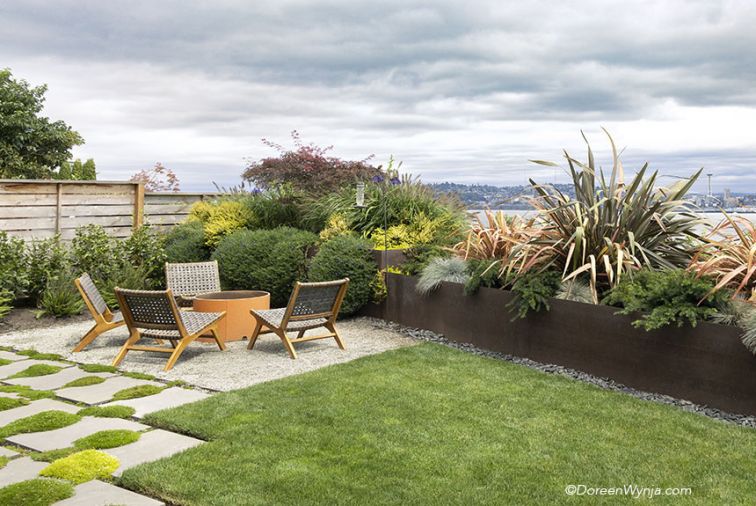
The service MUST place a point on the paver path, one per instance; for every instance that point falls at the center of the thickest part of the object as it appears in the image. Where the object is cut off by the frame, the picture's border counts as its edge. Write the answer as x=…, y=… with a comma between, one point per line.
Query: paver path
x=65, y=437
x=153, y=444
x=8, y=355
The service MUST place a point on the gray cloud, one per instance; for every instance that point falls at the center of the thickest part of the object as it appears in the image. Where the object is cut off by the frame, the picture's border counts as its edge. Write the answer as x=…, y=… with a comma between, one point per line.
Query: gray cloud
x=460, y=91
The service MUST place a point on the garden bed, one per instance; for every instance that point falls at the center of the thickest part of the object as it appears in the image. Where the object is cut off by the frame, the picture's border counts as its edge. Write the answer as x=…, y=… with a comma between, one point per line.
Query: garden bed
x=707, y=364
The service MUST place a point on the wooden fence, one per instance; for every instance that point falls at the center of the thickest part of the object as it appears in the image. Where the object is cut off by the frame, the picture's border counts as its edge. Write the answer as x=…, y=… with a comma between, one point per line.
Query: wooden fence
x=39, y=209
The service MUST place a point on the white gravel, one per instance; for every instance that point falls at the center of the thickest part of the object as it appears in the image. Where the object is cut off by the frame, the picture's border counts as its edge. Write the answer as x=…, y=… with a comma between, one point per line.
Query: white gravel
x=204, y=365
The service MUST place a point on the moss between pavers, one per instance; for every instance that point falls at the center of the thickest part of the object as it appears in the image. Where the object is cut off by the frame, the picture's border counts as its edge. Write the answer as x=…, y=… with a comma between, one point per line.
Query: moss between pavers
x=84, y=382
x=10, y=403
x=52, y=455
x=27, y=392
x=97, y=368
x=82, y=467
x=46, y=420
x=40, y=356
x=105, y=439
x=37, y=370
x=139, y=375
x=136, y=392
x=37, y=492
x=5, y=361
x=3, y=462
x=108, y=411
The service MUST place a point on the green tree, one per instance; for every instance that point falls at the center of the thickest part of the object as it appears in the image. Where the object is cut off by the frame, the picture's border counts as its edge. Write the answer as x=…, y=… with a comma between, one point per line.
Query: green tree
x=31, y=146
x=88, y=170
x=77, y=172
x=65, y=171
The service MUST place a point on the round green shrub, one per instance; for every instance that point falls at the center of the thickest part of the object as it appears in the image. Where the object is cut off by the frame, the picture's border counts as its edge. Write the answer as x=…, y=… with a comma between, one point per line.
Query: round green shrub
x=108, y=411
x=84, y=382
x=106, y=439
x=270, y=260
x=82, y=466
x=350, y=257
x=46, y=420
x=37, y=492
x=186, y=243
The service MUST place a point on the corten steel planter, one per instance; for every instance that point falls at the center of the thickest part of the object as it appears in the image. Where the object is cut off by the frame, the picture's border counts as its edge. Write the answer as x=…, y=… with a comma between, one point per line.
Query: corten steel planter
x=707, y=364
x=238, y=323
x=390, y=257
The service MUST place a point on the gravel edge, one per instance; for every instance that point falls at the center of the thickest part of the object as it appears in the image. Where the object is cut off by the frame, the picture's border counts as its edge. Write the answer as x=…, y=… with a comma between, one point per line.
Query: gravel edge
x=605, y=383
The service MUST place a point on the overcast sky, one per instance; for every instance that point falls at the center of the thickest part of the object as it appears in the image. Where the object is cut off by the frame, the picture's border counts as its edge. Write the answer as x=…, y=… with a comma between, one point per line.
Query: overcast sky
x=463, y=91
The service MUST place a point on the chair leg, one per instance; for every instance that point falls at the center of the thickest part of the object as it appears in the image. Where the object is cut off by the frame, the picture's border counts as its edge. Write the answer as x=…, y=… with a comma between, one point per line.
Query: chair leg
x=89, y=337
x=178, y=351
x=301, y=334
x=132, y=340
x=255, y=334
x=217, y=338
x=287, y=343
x=332, y=327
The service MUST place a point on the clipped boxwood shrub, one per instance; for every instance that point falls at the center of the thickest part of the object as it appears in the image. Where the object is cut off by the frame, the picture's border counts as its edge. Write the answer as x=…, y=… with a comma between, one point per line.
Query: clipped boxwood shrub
x=270, y=260
x=108, y=411
x=107, y=439
x=37, y=492
x=346, y=256
x=82, y=466
x=186, y=243
x=46, y=420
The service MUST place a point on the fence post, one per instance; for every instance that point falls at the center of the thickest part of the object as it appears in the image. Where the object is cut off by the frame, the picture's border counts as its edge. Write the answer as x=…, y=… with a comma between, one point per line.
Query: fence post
x=138, y=205
x=58, y=206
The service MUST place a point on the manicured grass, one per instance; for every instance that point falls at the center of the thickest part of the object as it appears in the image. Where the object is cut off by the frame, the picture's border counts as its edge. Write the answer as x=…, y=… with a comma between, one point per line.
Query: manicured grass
x=432, y=425
x=107, y=439
x=84, y=382
x=97, y=368
x=108, y=411
x=46, y=420
x=37, y=492
x=81, y=467
x=27, y=392
x=10, y=403
x=37, y=370
x=137, y=391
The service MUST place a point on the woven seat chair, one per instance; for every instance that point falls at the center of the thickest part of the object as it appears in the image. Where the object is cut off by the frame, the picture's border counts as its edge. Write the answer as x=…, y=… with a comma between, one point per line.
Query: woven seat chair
x=187, y=280
x=155, y=314
x=311, y=305
x=104, y=318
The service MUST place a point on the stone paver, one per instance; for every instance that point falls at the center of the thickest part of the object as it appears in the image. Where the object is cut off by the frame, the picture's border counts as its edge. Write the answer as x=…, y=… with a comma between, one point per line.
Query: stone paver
x=10, y=395
x=4, y=452
x=11, y=369
x=168, y=398
x=20, y=470
x=95, y=394
x=57, y=380
x=33, y=408
x=99, y=493
x=65, y=437
x=151, y=446
x=9, y=355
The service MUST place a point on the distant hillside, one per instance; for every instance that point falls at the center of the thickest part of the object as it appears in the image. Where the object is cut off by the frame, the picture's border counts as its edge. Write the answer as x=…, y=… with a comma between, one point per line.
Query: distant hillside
x=483, y=196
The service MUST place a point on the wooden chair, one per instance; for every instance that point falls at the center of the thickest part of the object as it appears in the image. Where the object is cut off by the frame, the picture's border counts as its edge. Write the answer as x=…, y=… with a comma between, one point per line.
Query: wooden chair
x=187, y=280
x=155, y=314
x=104, y=318
x=311, y=305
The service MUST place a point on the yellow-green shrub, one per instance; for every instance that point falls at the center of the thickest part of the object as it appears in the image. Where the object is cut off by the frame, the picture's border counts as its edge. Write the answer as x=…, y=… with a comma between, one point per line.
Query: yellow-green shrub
x=81, y=467
x=336, y=225
x=220, y=219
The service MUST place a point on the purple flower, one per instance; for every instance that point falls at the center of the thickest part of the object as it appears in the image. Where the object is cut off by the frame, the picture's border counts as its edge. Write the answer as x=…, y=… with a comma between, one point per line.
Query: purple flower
x=377, y=179
x=395, y=181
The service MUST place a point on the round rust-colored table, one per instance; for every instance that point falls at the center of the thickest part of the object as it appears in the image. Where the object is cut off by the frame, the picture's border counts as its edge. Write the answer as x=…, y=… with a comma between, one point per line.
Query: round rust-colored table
x=238, y=323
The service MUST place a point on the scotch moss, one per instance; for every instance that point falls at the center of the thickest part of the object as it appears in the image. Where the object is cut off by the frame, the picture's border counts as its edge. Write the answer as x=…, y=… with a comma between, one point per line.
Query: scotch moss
x=137, y=391
x=82, y=466
x=41, y=356
x=27, y=392
x=108, y=411
x=38, y=492
x=37, y=370
x=3, y=461
x=10, y=403
x=97, y=368
x=107, y=439
x=85, y=381
x=5, y=361
x=52, y=455
x=46, y=420
x=139, y=375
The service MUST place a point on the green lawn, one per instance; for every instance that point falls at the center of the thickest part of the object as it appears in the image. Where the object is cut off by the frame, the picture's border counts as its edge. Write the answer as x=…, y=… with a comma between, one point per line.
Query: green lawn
x=432, y=425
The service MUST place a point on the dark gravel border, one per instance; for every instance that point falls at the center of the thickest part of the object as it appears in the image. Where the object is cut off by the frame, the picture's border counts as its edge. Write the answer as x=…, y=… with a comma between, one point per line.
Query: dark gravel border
x=605, y=383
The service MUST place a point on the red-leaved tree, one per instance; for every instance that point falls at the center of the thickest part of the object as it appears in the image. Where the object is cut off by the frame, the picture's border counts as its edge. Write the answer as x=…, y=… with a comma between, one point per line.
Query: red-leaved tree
x=157, y=179
x=307, y=168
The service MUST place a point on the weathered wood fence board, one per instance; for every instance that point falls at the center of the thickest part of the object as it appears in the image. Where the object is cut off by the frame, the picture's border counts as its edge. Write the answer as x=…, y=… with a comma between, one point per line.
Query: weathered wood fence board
x=40, y=209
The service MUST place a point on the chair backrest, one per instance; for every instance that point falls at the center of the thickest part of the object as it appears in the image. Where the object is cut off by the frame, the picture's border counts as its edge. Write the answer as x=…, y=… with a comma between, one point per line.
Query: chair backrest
x=316, y=300
x=194, y=278
x=149, y=309
x=91, y=295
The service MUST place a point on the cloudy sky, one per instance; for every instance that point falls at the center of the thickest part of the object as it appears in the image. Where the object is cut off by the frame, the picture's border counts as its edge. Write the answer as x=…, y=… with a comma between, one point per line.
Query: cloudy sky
x=459, y=91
